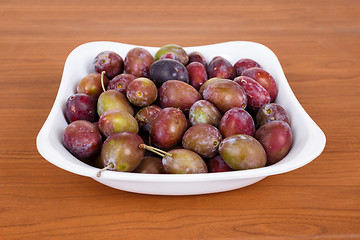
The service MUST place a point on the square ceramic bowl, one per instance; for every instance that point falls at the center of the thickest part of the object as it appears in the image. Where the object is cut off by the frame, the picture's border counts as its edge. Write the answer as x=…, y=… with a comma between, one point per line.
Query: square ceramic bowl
x=308, y=139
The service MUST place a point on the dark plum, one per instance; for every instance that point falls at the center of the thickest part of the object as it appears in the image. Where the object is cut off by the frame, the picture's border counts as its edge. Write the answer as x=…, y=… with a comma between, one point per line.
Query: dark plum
x=113, y=99
x=174, y=93
x=271, y=112
x=168, y=128
x=243, y=64
x=217, y=164
x=116, y=120
x=257, y=95
x=91, y=84
x=178, y=50
x=236, y=121
x=142, y=92
x=110, y=62
x=81, y=106
x=168, y=69
x=138, y=61
x=183, y=161
x=242, y=152
x=276, y=138
x=221, y=68
x=82, y=139
x=170, y=55
x=120, y=82
x=197, y=74
x=204, y=111
x=121, y=152
x=150, y=164
x=265, y=79
x=146, y=115
x=203, y=139
x=197, y=57
x=225, y=94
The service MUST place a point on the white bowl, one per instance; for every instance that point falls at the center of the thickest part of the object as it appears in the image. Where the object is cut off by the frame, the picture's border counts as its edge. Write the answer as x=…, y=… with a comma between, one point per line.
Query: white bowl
x=308, y=139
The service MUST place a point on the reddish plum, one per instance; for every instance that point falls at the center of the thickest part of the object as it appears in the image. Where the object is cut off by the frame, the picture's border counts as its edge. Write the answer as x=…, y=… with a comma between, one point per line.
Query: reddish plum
x=91, y=84
x=242, y=152
x=265, y=79
x=178, y=94
x=236, y=121
x=81, y=106
x=138, y=61
x=217, y=164
x=225, y=94
x=203, y=139
x=243, y=64
x=271, y=112
x=197, y=74
x=110, y=62
x=221, y=68
x=121, y=82
x=82, y=139
x=142, y=92
x=257, y=95
x=276, y=138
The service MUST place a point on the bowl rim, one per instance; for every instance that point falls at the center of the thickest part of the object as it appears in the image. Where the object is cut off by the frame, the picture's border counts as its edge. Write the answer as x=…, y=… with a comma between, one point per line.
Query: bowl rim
x=316, y=136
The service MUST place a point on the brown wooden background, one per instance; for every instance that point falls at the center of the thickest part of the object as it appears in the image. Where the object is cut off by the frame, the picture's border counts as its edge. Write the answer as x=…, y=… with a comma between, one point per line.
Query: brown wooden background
x=318, y=45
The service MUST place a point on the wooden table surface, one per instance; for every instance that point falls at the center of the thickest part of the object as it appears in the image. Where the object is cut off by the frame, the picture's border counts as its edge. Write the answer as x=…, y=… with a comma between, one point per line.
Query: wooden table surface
x=318, y=45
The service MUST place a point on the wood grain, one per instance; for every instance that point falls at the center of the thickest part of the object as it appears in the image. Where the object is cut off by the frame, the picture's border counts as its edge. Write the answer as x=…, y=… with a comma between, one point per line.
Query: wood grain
x=317, y=43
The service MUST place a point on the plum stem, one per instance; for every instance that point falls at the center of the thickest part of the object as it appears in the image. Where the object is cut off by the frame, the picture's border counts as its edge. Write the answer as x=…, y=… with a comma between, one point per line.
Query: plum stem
x=111, y=165
x=102, y=81
x=154, y=150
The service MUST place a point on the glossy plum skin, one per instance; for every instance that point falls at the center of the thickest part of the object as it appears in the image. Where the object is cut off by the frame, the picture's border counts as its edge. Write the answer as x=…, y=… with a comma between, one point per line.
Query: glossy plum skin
x=174, y=93
x=225, y=95
x=183, y=161
x=271, y=112
x=151, y=165
x=116, y=120
x=197, y=57
x=138, y=61
x=245, y=63
x=276, y=138
x=142, y=92
x=170, y=55
x=215, y=58
x=81, y=106
x=82, y=139
x=210, y=81
x=265, y=80
x=197, y=74
x=146, y=115
x=176, y=49
x=203, y=139
x=236, y=121
x=217, y=164
x=221, y=68
x=121, y=82
x=91, y=84
x=122, y=151
x=113, y=99
x=204, y=111
x=168, y=128
x=168, y=69
x=242, y=152
x=110, y=62
x=257, y=95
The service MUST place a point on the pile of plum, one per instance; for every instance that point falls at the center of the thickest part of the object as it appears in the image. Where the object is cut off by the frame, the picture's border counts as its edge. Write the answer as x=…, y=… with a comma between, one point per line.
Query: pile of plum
x=176, y=113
